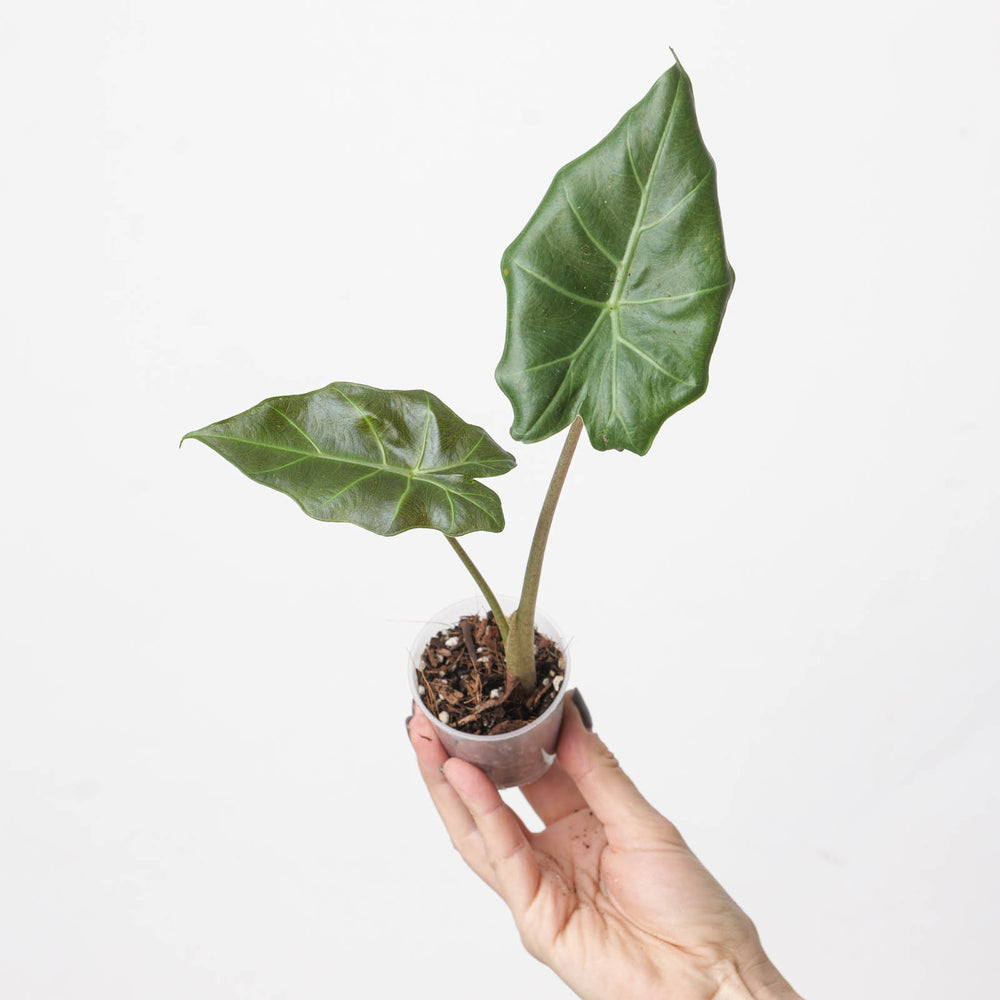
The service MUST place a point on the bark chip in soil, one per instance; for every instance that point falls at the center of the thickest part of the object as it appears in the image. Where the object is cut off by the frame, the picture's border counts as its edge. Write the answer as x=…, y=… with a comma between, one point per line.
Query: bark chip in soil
x=463, y=675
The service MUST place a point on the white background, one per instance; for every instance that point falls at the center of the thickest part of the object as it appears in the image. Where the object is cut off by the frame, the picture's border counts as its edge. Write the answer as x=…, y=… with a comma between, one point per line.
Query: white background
x=784, y=617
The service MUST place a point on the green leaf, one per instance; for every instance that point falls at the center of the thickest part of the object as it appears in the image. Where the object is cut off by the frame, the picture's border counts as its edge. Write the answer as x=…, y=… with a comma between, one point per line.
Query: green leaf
x=387, y=461
x=617, y=286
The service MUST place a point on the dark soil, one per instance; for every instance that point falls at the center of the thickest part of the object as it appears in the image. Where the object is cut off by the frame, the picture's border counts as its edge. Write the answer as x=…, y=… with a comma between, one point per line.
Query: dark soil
x=463, y=674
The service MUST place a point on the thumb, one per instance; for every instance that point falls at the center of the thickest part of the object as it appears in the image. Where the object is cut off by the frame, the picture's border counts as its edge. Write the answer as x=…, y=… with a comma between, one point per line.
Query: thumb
x=630, y=822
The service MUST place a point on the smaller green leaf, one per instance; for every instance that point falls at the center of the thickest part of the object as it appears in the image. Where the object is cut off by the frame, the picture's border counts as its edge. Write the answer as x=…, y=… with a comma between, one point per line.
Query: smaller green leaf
x=385, y=460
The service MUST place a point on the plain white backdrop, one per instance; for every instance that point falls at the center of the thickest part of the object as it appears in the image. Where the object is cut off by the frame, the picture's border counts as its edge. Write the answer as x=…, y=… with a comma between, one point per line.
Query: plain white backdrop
x=204, y=204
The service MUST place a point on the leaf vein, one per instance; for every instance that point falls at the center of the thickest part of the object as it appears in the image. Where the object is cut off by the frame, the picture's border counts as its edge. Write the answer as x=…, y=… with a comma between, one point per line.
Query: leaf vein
x=465, y=496
x=666, y=215
x=628, y=149
x=349, y=486
x=278, y=468
x=367, y=419
x=583, y=225
x=672, y=298
x=570, y=357
x=282, y=413
x=423, y=444
x=402, y=497
x=652, y=361
x=565, y=292
x=633, y=240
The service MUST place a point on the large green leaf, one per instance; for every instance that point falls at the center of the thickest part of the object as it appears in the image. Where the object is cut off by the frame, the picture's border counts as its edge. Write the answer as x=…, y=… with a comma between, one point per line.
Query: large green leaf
x=617, y=286
x=388, y=461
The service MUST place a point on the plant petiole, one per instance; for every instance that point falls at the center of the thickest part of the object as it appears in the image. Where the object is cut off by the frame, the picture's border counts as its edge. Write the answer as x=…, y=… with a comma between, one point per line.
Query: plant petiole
x=491, y=599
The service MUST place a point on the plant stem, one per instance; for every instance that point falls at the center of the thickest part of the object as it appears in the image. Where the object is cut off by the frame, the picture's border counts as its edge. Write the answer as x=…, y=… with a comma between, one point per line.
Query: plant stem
x=521, y=648
x=491, y=599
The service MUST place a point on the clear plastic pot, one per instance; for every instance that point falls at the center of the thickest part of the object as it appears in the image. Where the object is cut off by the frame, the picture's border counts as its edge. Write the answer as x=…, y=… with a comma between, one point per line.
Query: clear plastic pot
x=509, y=759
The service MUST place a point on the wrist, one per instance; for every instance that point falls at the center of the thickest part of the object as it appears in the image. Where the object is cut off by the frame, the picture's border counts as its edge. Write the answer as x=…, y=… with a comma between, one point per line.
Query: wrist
x=756, y=980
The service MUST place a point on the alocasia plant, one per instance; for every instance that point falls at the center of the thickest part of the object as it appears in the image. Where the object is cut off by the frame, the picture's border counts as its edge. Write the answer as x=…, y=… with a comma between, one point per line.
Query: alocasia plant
x=616, y=289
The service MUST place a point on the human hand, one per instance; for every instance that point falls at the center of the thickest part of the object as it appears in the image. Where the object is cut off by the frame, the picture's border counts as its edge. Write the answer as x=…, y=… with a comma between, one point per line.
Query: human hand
x=608, y=895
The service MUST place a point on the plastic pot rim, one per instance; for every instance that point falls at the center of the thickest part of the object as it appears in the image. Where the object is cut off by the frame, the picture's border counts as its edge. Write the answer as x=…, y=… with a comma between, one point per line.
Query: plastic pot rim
x=450, y=616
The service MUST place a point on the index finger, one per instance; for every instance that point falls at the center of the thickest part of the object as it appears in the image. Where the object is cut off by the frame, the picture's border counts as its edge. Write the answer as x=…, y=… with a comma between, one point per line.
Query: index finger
x=458, y=821
x=504, y=838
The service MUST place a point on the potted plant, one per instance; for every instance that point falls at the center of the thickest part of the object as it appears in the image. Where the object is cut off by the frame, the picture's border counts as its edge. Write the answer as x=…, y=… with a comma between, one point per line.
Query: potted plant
x=616, y=289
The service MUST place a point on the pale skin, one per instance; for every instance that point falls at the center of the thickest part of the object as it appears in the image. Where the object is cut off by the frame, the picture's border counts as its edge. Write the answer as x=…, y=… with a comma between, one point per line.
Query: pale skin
x=608, y=894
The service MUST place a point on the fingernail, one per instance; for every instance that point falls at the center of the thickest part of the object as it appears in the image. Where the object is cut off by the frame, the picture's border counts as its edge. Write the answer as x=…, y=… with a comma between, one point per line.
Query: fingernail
x=581, y=707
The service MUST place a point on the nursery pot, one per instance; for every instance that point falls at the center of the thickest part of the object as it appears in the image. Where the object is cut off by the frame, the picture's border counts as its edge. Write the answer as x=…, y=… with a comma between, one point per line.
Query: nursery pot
x=509, y=759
